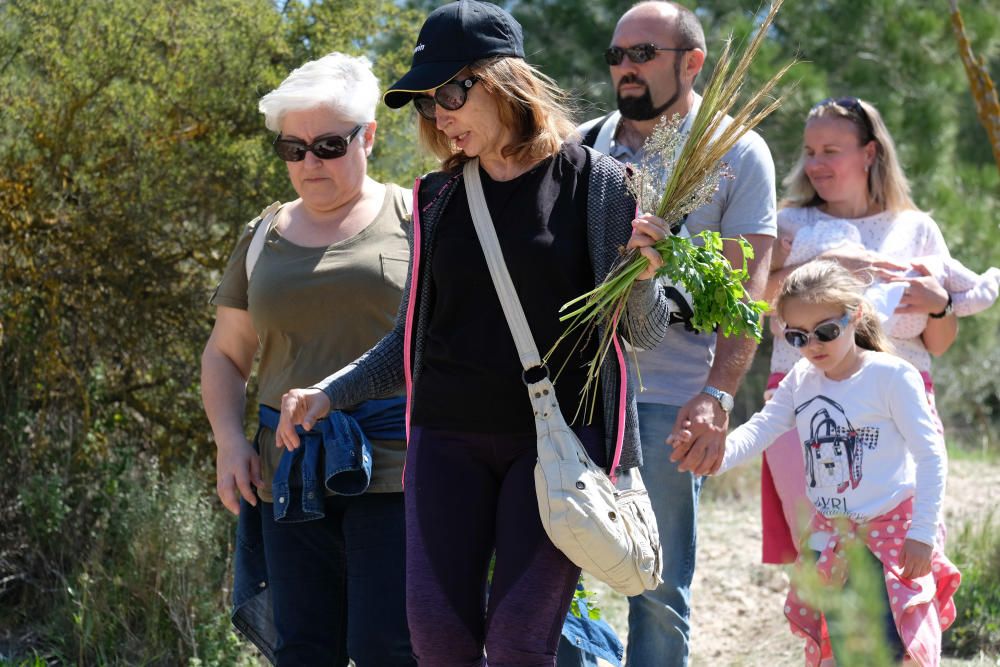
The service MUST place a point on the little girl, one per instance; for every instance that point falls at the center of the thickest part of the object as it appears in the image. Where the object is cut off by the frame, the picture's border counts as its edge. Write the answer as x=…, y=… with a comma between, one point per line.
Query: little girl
x=873, y=457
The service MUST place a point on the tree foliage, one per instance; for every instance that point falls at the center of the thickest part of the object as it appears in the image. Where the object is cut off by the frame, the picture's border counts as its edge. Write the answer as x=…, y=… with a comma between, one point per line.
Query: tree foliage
x=131, y=156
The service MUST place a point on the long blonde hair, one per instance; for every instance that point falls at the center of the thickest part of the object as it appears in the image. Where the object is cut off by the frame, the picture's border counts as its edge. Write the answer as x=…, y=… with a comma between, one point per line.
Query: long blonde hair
x=887, y=184
x=529, y=103
x=829, y=283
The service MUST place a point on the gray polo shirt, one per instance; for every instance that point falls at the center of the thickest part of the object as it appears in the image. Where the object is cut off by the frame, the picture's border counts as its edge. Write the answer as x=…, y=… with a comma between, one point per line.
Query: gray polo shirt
x=678, y=367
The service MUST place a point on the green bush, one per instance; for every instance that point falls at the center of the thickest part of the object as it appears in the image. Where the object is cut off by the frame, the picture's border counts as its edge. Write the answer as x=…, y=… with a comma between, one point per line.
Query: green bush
x=976, y=552
x=132, y=155
x=33, y=661
x=141, y=574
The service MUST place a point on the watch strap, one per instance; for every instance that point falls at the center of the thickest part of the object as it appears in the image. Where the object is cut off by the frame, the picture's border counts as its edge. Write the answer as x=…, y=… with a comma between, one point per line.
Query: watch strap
x=725, y=399
x=948, y=307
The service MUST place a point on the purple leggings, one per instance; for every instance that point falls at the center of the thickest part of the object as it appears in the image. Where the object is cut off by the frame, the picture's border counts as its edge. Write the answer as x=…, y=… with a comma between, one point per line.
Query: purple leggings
x=468, y=494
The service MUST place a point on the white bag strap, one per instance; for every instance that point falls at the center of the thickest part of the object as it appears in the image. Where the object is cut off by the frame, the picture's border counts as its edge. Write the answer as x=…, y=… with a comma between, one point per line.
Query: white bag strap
x=266, y=218
x=487, y=234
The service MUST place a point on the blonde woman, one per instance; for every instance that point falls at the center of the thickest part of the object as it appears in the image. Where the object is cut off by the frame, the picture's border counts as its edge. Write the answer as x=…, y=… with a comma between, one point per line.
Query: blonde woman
x=848, y=172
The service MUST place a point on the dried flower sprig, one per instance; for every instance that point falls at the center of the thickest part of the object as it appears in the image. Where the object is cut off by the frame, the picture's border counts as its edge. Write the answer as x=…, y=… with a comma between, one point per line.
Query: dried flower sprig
x=692, y=176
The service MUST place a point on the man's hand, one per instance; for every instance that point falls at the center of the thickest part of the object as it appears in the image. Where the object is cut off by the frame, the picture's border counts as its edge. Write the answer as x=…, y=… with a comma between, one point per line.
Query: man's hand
x=701, y=452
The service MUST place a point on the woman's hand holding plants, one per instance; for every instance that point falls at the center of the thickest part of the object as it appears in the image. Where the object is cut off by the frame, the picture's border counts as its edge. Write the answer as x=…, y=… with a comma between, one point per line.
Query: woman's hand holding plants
x=646, y=231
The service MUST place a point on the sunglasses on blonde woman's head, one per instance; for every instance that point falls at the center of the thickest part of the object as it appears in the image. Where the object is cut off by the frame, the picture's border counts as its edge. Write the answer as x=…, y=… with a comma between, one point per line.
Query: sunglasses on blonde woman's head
x=328, y=147
x=824, y=332
x=638, y=54
x=854, y=106
x=451, y=96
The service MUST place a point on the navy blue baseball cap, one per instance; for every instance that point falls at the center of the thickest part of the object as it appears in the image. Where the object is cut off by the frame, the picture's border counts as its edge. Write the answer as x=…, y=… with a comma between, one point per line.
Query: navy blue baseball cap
x=453, y=37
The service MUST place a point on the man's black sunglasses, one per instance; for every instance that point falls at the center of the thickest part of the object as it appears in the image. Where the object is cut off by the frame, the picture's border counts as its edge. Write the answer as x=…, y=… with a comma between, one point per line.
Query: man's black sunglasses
x=854, y=106
x=451, y=96
x=640, y=53
x=328, y=147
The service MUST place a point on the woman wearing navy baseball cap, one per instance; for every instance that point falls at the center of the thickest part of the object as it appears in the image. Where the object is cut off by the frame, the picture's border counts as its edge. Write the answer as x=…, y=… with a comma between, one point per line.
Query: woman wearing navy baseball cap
x=561, y=213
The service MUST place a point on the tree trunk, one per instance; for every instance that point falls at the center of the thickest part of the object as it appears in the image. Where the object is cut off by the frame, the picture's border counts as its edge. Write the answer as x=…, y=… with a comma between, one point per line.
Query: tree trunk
x=983, y=91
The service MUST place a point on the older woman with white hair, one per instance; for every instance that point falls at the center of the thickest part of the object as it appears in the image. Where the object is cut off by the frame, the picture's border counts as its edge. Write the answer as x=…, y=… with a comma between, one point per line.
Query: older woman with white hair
x=312, y=284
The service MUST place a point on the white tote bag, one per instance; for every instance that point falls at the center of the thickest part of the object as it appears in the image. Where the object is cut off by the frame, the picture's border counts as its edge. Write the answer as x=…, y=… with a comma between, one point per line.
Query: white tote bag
x=606, y=529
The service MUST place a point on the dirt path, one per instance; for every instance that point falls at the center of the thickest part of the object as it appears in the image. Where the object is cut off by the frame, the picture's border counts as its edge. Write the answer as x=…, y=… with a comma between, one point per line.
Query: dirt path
x=737, y=602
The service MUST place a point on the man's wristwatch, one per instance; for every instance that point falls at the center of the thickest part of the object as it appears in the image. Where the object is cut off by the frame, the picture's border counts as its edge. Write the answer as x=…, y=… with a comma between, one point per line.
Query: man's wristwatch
x=948, y=307
x=724, y=399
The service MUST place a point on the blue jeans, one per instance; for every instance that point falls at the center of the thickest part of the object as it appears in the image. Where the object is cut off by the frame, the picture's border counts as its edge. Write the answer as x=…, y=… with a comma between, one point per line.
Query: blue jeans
x=658, y=621
x=659, y=628
x=337, y=583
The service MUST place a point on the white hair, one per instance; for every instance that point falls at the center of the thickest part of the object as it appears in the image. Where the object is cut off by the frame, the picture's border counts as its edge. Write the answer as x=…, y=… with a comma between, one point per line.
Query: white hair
x=342, y=83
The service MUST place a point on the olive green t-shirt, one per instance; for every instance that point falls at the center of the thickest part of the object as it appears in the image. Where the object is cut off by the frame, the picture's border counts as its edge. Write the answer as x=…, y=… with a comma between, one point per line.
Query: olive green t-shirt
x=315, y=310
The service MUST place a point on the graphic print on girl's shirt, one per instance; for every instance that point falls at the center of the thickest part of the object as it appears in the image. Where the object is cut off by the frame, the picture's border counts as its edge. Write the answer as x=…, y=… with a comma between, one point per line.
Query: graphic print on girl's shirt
x=869, y=441
x=834, y=451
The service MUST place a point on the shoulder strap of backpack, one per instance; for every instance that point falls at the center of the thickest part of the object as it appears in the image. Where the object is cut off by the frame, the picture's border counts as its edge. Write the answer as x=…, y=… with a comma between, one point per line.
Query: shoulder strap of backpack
x=590, y=138
x=266, y=218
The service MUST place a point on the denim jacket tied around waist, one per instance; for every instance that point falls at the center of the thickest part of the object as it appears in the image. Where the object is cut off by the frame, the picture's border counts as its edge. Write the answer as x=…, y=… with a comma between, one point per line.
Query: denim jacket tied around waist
x=336, y=455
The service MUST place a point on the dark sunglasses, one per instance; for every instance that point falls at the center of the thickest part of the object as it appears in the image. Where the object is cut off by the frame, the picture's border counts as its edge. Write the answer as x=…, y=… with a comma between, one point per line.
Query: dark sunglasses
x=451, y=96
x=329, y=147
x=824, y=332
x=640, y=53
x=853, y=105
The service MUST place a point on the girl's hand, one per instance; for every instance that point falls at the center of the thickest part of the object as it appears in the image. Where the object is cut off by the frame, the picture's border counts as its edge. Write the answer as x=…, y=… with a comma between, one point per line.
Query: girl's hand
x=701, y=444
x=646, y=231
x=681, y=437
x=915, y=559
x=299, y=406
x=681, y=441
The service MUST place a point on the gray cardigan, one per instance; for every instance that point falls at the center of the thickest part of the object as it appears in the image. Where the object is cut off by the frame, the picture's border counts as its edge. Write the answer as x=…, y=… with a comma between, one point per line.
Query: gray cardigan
x=384, y=369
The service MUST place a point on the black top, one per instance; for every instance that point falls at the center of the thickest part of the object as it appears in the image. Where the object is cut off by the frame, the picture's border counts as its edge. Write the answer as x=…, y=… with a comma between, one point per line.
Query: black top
x=471, y=376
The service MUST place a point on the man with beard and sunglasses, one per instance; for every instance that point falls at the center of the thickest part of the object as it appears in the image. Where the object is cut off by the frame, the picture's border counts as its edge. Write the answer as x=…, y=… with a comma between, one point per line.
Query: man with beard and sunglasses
x=656, y=53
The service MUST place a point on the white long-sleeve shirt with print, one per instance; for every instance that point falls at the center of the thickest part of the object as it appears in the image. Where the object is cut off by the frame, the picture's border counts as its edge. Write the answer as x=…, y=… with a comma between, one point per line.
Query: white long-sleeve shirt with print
x=869, y=441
